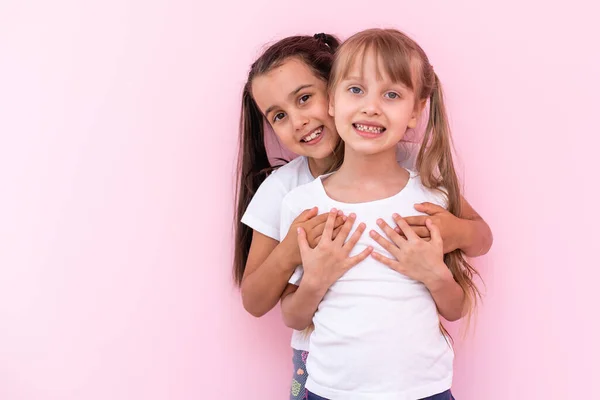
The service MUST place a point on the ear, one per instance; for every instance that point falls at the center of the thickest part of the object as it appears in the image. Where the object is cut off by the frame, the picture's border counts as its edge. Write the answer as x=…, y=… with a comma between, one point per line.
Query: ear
x=412, y=123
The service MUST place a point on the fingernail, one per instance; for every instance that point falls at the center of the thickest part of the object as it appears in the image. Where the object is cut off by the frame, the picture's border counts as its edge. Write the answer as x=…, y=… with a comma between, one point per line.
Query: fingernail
x=379, y=221
x=333, y=210
x=395, y=215
x=352, y=215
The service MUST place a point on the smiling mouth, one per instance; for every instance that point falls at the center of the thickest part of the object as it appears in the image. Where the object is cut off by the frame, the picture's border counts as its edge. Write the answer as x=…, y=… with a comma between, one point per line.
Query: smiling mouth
x=313, y=135
x=369, y=128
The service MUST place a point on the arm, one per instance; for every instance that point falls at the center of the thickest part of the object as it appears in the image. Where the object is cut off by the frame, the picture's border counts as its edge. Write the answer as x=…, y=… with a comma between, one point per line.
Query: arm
x=323, y=266
x=470, y=233
x=299, y=304
x=476, y=238
x=422, y=261
x=449, y=297
x=270, y=264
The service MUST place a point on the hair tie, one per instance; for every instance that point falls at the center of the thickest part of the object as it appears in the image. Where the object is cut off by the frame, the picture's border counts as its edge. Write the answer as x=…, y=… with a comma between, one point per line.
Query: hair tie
x=321, y=37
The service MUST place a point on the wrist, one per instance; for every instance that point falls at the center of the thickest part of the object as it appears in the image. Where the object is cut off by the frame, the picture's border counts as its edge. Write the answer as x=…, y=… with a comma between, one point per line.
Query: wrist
x=314, y=286
x=440, y=280
x=289, y=256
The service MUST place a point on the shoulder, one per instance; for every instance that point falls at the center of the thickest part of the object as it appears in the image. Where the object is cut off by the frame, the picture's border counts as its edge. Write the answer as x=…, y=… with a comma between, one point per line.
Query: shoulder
x=290, y=175
x=432, y=195
x=284, y=178
x=303, y=195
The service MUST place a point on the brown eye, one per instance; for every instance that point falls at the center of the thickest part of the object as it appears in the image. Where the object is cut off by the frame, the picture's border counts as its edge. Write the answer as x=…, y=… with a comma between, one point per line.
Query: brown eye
x=304, y=98
x=278, y=116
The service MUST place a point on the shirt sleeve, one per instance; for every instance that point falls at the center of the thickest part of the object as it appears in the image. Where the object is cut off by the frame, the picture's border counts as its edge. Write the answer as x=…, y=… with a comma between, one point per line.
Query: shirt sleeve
x=264, y=211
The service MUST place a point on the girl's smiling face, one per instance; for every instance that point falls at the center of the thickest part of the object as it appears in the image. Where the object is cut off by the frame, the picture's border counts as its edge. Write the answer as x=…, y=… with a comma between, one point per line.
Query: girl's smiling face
x=372, y=112
x=294, y=101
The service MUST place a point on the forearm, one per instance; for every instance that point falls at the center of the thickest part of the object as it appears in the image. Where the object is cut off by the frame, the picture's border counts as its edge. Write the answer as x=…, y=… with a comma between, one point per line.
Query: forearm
x=449, y=297
x=476, y=238
x=262, y=289
x=299, y=307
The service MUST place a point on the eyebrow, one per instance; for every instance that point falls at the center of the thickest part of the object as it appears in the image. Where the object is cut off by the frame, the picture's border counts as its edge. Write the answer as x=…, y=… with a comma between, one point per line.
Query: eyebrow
x=359, y=79
x=292, y=94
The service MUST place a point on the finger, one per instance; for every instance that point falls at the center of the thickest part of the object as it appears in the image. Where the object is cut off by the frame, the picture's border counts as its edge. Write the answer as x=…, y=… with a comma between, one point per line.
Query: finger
x=336, y=232
x=391, y=234
x=307, y=214
x=416, y=220
x=436, y=236
x=352, y=261
x=345, y=231
x=316, y=220
x=392, y=248
x=429, y=208
x=393, y=264
x=405, y=228
x=317, y=230
x=302, y=242
x=349, y=245
x=328, y=230
x=421, y=231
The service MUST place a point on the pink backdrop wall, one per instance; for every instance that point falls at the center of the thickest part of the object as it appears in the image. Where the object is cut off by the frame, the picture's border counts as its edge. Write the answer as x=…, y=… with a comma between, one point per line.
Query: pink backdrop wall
x=118, y=124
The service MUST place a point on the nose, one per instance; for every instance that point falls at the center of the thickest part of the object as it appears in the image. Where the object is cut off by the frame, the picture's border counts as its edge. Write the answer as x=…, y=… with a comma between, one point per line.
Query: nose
x=371, y=106
x=299, y=121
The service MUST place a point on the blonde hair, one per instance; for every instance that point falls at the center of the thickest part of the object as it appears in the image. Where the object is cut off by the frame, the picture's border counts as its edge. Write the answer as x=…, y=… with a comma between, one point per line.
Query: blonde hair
x=404, y=61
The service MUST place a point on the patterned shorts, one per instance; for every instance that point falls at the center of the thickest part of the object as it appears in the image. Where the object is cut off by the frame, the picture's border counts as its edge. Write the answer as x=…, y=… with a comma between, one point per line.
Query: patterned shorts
x=298, y=392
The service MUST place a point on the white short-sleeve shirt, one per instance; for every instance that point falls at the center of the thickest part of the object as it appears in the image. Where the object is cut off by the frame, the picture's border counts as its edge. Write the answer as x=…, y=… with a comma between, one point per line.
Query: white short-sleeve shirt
x=264, y=211
x=377, y=332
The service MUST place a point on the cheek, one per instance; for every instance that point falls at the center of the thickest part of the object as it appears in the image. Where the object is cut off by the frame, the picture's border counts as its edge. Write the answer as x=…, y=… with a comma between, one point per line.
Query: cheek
x=321, y=110
x=284, y=134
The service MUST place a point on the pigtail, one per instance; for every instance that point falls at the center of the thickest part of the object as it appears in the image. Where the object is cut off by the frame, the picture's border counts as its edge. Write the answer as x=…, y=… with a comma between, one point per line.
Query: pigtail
x=253, y=162
x=437, y=171
x=253, y=167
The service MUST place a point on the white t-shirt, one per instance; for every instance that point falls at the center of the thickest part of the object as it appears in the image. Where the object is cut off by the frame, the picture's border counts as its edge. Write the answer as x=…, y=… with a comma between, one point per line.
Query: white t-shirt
x=264, y=211
x=377, y=332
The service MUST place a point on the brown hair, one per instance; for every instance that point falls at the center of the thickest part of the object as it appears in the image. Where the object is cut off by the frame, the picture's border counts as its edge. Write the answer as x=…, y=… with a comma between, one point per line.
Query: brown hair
x=253, y=163
x=405, y=61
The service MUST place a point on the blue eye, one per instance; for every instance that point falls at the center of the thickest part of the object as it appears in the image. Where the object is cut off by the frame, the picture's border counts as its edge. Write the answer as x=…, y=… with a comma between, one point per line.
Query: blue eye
x=392, y=95
x=278, y=116
x=304, y=98
x=355, y=90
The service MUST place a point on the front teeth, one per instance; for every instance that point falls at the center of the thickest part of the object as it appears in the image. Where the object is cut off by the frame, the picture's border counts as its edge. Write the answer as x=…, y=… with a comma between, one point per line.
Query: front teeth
x=371, y=129
x=313, y=135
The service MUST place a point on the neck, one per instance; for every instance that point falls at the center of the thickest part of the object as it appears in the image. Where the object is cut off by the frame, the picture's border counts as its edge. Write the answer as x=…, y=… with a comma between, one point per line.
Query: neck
x=367, y=168
x=318, y=166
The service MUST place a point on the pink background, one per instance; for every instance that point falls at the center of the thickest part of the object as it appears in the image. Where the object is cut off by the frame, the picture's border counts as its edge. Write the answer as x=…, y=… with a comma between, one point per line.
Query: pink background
x=118, y=123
